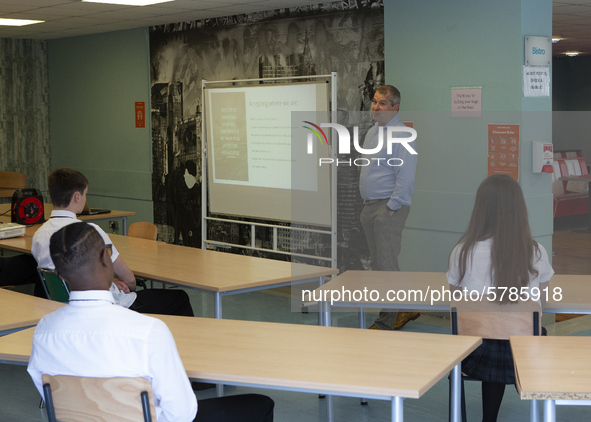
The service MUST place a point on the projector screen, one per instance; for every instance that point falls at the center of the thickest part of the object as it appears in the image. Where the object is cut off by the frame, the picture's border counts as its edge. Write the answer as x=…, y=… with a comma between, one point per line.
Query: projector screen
x=257, y=161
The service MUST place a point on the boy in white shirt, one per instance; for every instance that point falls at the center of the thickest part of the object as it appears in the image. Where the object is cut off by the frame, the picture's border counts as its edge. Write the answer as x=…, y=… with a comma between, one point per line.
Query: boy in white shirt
x=93, y=337
x=68, y=189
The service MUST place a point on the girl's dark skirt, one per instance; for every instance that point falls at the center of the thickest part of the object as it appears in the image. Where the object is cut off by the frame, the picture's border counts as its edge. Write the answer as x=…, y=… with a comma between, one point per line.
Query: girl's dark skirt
x=492, y=361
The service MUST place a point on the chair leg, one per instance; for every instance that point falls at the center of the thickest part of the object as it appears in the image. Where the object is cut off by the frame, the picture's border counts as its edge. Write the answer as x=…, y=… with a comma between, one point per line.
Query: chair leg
x=49, y=402
x=146, y=406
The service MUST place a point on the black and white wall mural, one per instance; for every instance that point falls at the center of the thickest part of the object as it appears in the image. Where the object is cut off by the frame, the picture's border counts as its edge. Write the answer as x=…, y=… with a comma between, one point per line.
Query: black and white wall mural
x=343, y=36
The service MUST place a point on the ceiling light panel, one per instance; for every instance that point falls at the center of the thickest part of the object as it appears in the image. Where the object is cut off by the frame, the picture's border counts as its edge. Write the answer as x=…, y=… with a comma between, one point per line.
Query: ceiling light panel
x=128, y=2
x=17, y=22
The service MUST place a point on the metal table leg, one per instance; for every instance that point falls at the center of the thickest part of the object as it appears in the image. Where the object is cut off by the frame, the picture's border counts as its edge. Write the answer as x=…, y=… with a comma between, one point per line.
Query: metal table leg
x=549, y=411
x=397, y=409
x=456, y=394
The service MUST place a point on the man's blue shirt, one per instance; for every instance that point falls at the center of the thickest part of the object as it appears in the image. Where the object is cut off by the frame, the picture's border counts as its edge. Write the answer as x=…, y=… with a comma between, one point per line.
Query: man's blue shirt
x=378, y=180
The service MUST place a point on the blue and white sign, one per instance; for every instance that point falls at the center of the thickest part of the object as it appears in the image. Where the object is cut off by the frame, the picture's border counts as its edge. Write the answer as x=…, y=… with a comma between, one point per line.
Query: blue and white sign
x=538, y=51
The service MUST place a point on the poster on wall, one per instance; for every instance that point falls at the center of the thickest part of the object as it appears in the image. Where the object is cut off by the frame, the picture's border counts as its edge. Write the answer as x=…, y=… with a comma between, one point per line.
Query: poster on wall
x=140, y=114
x=503, y=150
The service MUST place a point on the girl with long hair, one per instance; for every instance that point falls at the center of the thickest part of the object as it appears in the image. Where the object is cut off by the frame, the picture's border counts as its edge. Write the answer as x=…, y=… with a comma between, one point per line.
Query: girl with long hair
x=497, y=250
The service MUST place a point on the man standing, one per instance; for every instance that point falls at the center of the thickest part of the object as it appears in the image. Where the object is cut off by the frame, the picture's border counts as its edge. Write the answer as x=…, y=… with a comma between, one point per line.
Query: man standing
x=386, y=185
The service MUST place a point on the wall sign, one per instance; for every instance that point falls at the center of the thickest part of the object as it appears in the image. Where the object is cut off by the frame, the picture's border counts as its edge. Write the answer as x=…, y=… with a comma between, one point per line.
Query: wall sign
x=536, y=81
x=466, y=102
x=538, y=51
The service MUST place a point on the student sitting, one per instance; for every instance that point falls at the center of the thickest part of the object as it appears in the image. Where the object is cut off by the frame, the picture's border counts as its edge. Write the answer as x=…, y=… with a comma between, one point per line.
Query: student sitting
x=68, y=189
x=92, y=338
x=497, y=251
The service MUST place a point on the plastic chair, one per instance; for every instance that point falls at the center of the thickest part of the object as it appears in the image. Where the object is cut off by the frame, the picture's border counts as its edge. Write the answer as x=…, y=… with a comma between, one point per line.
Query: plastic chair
x=11, y=181
x=119, y=399
x=143, y=230
x=493, y=320
x=55, y=287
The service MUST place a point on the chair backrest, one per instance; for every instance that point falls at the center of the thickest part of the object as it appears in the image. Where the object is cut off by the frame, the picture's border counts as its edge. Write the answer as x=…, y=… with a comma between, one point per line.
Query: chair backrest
x=493, y=320
x=55, y=287
x=144, y=230
x=558, y=185
x=11, y=181
x=119, y=399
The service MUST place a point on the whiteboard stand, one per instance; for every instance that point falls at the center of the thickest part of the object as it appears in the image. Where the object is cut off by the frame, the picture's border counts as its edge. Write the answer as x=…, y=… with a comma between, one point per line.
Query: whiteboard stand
x=278, y=227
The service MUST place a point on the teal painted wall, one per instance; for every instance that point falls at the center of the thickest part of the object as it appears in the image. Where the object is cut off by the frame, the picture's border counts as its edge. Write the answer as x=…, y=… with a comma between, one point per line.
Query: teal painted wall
x=432, y=46
x=94, y=82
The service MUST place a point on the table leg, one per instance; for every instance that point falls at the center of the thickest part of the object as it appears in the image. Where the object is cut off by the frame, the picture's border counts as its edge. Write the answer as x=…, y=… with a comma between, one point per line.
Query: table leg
x=217, y=307
x=362, y=326
x=124, y=225
x=320, y=312
x=397, y=409
x=456, y=393
x=217, y=298
x=325, y=309
x=362, y=318
x=533, y=411
x=329, y=409
x=549, y=411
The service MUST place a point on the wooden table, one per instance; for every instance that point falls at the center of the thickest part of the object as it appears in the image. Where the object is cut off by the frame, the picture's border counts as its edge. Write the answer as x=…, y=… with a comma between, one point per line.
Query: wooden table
x=587, y=179
x=18, y=310
x=303, y=358
x=218, y=273
x=215, y=272
x=114, y=215
x=427, y=291
x=553, y=369
x=21, y=244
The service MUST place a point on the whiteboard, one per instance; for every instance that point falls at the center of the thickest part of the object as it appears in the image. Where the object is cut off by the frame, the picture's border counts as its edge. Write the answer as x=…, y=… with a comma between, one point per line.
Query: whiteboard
x=258, y=165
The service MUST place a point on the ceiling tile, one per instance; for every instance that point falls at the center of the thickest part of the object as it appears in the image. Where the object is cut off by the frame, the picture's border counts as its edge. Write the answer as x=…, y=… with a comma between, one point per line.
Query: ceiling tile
x=67, y=18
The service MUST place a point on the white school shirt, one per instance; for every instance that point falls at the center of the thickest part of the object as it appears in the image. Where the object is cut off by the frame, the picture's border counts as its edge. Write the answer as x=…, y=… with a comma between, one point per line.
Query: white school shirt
x=40, y=249
x=477, y=274
x=92, y=337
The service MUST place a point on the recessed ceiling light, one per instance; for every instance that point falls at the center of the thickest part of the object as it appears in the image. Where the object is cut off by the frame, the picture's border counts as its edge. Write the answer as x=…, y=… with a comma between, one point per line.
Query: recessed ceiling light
x=572, y=53
x=556, y=39
x=128, y=2
x=17, y=22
